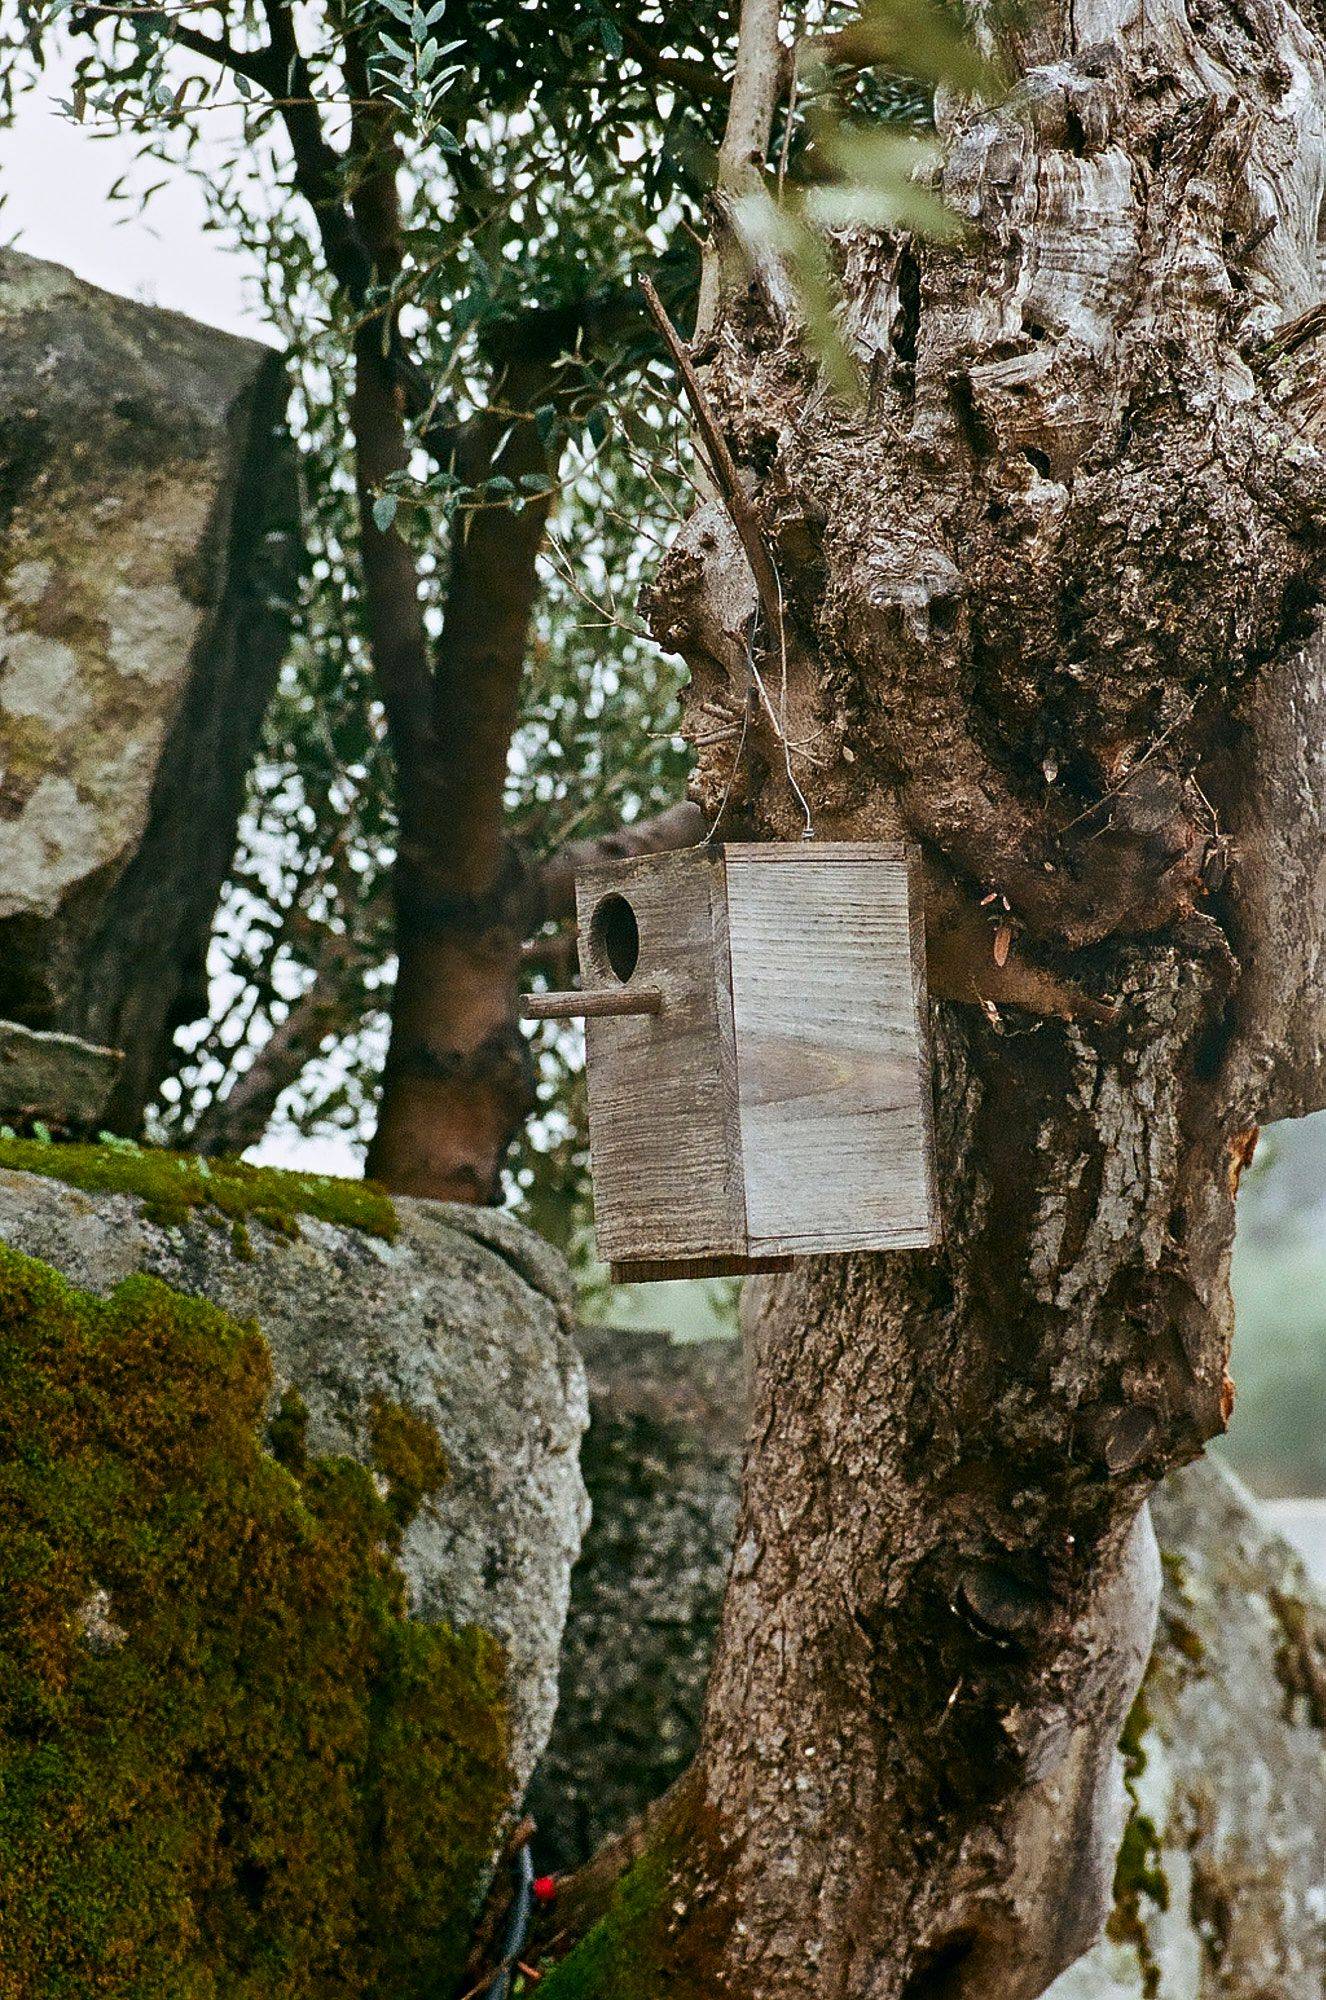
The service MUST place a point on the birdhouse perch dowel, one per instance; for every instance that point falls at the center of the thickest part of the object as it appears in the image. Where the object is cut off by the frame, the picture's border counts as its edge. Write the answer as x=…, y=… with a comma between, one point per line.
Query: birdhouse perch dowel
x=756, y=1055
x=591, y=1006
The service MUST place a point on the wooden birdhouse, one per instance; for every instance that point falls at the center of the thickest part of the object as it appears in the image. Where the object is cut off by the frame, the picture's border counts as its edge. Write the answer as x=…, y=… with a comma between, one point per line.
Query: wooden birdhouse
x=756, y=1050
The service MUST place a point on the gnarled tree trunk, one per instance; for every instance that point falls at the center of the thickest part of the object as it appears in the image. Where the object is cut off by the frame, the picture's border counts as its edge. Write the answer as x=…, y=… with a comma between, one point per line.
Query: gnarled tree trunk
x=1050, y=603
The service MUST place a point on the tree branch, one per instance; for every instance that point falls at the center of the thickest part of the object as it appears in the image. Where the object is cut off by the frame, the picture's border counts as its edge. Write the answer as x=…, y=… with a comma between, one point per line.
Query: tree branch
x=757, y=80
x=319, y=168
x=722, y=466
x=331, y=1004
x=255, y=64
x=480, y=657
x=697, y=79
x=681, y=825
x=252, y=63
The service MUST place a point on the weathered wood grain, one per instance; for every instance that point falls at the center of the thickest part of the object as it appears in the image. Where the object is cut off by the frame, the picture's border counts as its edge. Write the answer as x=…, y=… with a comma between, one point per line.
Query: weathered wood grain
x=832, y=1074
x=664, y=1143
x=590, y=1005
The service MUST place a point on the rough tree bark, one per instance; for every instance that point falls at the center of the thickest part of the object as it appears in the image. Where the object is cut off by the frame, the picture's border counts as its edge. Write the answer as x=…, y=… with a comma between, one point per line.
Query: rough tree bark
x=1218, y=1890
x=1051, y=612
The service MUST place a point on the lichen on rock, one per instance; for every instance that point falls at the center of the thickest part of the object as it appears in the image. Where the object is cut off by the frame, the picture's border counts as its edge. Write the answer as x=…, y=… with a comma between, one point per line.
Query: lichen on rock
x=1219, y=1892
x=230, y=1762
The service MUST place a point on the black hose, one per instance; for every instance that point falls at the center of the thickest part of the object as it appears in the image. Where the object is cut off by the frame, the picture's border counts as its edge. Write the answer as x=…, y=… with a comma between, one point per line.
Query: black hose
x=517, y=1925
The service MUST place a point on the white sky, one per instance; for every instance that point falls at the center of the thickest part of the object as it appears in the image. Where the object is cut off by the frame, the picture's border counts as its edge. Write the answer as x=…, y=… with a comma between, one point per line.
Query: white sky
x=56, y=179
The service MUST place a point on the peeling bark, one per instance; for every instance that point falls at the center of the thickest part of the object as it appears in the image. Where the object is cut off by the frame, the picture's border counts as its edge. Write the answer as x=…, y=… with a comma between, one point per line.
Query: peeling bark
x=1051, y=605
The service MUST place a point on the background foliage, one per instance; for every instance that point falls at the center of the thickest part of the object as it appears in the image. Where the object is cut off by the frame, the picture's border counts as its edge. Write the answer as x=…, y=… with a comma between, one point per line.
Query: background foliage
x=543, y=168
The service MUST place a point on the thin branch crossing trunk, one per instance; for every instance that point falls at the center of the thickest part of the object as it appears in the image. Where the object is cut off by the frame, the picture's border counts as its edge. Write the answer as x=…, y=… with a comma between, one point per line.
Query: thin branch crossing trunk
x=1052, y=602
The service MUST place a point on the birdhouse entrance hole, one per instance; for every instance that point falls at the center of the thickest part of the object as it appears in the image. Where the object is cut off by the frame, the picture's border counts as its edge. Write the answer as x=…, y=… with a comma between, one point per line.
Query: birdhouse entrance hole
x=614, y=937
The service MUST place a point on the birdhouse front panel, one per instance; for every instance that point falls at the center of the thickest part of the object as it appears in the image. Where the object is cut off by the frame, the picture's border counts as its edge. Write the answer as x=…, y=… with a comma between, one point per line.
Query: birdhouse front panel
x=664, y=1146
x=768, y=1096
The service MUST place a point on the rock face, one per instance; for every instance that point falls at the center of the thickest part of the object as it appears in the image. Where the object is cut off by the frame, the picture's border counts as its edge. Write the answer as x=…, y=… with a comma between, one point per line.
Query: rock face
x=463, y=1319
x=148, y=527
x=661, y=1461
x=1221, y=1889
x=59, y=1078
x=1221, y=1893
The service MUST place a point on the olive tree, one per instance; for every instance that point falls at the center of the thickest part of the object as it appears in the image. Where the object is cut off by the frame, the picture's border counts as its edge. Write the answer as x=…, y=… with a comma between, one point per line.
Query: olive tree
x=1048, y=604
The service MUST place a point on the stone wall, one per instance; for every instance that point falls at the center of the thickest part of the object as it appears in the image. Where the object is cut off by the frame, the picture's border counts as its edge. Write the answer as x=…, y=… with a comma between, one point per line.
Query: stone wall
x=661, y=1462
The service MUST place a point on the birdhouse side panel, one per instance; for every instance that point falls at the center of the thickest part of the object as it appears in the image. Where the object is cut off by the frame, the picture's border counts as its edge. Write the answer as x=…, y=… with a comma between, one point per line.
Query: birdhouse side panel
x=833, y=1068
x=664, y=1138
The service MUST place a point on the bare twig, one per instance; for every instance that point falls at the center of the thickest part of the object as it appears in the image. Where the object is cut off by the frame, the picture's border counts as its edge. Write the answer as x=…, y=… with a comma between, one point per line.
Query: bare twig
x=722, y=465
x=561, y=566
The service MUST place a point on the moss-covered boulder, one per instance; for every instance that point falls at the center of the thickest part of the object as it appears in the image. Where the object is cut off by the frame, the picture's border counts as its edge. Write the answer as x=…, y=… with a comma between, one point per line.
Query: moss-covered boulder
x=288, y=1506
x=229, y=1761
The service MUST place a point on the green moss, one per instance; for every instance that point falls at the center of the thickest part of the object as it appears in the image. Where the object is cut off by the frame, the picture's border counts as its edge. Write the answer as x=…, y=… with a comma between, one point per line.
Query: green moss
x=408, y=1453
x=1300, y=1662
x=1139, y=1869
x=656, y=1939
x=287, y=1433
x=27, y=745
x=174, y=1184
x=1175, y=1567
x=1131, y=1743
x=230, y=1767
x=613, y=1960
x=1185, y=1639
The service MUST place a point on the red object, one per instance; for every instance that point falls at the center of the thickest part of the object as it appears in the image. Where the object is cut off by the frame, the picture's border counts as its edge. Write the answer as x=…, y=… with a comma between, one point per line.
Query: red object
x=545, y=1888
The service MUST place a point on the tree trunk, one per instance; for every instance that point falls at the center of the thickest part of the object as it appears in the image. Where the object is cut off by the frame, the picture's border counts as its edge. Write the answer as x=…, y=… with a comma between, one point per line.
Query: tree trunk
x=1050, y=608
x=458, y=1082
x=1217, y=1888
